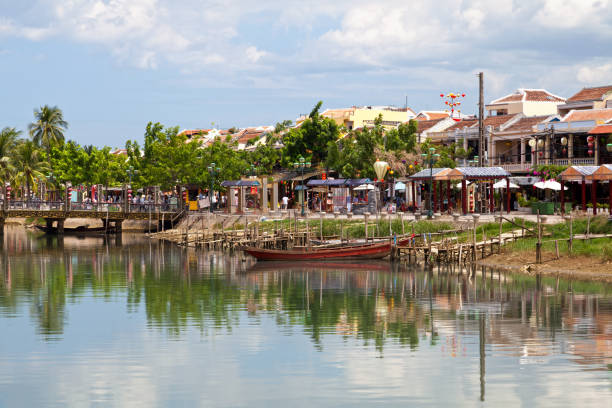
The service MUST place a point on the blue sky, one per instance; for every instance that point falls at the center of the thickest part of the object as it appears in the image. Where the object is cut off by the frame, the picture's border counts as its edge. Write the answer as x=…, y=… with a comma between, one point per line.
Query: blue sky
x=114, y=65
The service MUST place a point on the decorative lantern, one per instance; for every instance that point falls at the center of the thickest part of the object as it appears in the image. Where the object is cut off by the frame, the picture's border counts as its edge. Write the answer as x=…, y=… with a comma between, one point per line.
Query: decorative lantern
x=532, y=143
x=590, y=144
x=564, y=150
x=590, y=139
x=590, y=152
x=380, y=167
x=609, y=147
x=540, y=154
x=564, y=141
x=540, y=142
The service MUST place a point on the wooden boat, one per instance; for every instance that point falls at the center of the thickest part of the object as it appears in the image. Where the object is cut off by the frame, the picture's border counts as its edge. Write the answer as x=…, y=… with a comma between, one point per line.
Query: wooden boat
x=367, y=251
x=76, y=231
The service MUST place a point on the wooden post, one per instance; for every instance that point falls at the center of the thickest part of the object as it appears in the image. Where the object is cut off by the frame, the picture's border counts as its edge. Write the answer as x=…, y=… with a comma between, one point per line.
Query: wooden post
x=571, y=239
x=584, y=207
x=365, y=217
x=403, y=228
x=562, y=197
x=594, y=196
x=463, y=197
x=588, y=231
x=507, y=195
x=321, y=225
x=539, y=243
x=500, y=233
x=557, y=248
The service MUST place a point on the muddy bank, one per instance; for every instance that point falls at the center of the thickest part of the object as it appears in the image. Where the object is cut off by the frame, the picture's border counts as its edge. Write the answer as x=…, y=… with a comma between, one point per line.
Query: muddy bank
x=567, y=267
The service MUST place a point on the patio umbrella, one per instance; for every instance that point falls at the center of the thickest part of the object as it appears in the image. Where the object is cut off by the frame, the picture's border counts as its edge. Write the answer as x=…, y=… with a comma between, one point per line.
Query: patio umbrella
x=549, y=185
x=364, y=187
x=467, y=183
x=502, y=184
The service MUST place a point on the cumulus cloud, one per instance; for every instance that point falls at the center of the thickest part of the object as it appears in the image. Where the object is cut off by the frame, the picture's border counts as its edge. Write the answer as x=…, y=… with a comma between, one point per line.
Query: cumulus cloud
x=513, y=41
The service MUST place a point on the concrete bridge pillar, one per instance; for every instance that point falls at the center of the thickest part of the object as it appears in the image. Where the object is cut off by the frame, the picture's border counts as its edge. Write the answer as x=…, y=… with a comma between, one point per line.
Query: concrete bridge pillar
x=118, y=225
x=2, y=226
x=49, y=223
x=60, y=227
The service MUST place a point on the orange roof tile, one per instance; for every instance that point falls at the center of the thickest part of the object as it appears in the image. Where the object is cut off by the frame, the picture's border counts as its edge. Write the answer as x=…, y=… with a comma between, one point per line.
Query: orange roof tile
x=526, y=123
x=538, y=95
x=588, y=114
x=591, y=94
x=510, y=98
x=462, y=124
x=431, y=115
x=601, y=129
x=423, y=125
x=496, y=121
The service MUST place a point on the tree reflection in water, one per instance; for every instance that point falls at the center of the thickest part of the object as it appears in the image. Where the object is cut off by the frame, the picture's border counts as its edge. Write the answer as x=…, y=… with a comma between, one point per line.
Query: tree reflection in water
x=373, y=302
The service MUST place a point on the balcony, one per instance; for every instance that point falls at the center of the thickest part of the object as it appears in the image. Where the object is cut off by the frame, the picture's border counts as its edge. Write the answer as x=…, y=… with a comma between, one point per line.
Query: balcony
x=576, y=161
x=512, y=167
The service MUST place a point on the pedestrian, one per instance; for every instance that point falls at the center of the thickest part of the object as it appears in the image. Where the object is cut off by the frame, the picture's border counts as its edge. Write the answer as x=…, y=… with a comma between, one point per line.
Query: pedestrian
x=285, y=202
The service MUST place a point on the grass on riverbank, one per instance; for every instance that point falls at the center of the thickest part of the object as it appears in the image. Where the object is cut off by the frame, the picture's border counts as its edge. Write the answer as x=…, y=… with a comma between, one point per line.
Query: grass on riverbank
x=597, y=247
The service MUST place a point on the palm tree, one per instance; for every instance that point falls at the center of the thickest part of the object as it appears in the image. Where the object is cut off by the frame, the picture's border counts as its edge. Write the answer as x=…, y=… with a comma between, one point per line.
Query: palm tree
x=29, y=166
x=8, y=141
x=48, y=128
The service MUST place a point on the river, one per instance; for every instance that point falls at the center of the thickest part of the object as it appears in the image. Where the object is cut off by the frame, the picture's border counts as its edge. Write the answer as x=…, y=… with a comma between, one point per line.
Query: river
x=132, y=322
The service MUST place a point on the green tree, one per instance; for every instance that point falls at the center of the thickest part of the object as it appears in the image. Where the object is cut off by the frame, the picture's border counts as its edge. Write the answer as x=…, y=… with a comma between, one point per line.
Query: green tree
x=311, y=139
x=8, y=140
x=30, y=166
x=48, y=127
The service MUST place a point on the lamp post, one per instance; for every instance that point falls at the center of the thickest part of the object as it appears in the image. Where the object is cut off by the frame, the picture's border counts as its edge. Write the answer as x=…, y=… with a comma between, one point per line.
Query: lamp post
x=301, y=164
x=131, y=172
x=430, y=158
x=380, y=168
x=213, y=172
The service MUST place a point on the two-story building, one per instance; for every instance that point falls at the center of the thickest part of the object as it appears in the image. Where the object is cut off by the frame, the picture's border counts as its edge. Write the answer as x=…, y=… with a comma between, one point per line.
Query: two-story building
x=599, y=97
x=360, y=117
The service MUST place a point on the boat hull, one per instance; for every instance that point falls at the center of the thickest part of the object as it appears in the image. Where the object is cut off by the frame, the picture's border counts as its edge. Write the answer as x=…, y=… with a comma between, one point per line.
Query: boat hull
x=373, y=251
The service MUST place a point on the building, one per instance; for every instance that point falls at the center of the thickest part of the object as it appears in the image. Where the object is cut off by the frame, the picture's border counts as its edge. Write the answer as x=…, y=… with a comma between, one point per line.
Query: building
x=356, y=118
x=529, y=102
x=588, y=98
x=432, y=115
x=251, y=135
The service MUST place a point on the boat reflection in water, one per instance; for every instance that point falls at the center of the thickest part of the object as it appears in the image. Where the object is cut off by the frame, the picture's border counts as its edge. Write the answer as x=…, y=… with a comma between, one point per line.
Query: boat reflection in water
x=357, y=332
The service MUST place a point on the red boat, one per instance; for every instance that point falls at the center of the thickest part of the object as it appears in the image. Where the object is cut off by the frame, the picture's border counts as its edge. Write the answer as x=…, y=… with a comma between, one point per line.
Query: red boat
x=368, y=251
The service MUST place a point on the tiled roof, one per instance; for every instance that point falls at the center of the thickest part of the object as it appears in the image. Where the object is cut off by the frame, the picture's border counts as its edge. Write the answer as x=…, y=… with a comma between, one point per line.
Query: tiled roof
x=588, y=114
x=423, y=125
x=431, y=115
x=426, y=173
x=483, y=172
x=526, y=123
x=509, y=98
x=496, y=121
x=462, y=124
x=191, y=132
x=601, y=129
x=591, y=94
x=538, y=95
x=531, y=95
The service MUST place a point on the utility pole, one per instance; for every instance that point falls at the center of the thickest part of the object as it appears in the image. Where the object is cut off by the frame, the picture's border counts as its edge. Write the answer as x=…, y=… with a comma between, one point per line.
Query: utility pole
x=481, y=138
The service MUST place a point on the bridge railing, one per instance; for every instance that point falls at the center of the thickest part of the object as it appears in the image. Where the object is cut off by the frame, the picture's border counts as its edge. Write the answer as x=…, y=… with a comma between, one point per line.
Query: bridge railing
x=93, y=206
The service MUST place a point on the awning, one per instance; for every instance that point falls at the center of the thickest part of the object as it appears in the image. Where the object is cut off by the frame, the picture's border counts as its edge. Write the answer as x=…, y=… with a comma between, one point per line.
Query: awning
x=604, y=172
x=364, y=187
x=577, y=173
x=240, y=183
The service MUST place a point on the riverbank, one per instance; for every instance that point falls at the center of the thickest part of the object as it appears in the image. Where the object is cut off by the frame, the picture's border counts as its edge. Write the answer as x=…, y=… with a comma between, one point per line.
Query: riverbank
x=581, y=267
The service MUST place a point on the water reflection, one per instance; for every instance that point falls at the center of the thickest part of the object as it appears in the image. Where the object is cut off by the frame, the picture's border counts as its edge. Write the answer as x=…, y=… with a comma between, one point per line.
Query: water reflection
x=382, y=307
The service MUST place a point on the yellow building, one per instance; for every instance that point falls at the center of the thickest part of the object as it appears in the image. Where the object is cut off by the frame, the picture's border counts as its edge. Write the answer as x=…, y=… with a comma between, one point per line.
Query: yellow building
x=355, y=118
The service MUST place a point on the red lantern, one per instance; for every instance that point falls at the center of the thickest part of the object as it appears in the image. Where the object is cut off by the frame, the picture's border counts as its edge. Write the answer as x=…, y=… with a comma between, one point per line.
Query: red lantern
x=463, y=95
x=441, y=95
x=564, y=150
x=590, y=152
x=590, y=145
x=540, y=154
x=590, y=139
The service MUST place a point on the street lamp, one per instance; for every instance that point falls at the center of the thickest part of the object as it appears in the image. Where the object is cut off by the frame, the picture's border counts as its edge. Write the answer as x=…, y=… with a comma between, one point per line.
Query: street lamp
x=213, y=172
x=131, y=172
x=301, y=164
x=430, y=158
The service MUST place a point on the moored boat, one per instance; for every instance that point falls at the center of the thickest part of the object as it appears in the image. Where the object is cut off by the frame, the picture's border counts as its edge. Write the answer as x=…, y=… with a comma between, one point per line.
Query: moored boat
x=368, y=251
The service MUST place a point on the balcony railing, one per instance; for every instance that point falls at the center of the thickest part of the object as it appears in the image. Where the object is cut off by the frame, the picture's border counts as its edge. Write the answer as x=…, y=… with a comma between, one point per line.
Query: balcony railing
x=576, y=161
x=515, y=166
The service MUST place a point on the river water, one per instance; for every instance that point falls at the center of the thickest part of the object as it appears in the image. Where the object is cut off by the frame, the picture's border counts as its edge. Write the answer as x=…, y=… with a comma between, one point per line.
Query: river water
x=133, y=322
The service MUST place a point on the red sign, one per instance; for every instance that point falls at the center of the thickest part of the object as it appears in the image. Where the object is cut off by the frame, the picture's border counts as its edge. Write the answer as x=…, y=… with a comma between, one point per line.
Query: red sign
x=253, y=190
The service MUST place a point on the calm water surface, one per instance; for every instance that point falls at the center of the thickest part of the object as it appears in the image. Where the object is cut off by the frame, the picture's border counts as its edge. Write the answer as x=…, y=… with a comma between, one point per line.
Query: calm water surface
x=93, y=322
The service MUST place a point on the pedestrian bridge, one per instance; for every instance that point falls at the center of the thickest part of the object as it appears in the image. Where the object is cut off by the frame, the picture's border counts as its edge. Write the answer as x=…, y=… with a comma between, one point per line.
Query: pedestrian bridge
x=112, y=214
